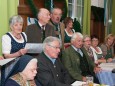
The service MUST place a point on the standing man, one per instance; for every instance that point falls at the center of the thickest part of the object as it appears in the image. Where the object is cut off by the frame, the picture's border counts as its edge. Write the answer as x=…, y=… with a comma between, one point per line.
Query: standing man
x=36, y=33
x=51, y=72
x=77, y=61
x=56, y=14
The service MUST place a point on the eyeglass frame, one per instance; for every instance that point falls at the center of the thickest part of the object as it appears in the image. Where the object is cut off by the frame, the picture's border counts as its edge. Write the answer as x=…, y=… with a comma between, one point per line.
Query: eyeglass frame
x=54, y=46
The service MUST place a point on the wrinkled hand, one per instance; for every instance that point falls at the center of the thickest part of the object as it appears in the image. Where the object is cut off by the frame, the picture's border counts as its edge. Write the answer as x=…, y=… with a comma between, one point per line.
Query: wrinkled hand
x=97, y=69
x=23, y=51
x=84, y=79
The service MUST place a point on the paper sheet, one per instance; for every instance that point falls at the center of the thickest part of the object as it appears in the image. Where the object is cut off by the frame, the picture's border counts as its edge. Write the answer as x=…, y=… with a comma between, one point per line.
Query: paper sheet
x=4, y=61
x=34, y=47
x=107, y=66
x=80, y=83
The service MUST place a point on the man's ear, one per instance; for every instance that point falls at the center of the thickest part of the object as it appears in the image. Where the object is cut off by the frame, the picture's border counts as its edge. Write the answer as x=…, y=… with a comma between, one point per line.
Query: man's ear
x=47, y=47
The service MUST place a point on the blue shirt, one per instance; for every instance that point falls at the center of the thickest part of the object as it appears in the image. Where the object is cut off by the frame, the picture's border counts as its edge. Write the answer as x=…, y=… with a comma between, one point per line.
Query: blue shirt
x=52, y=59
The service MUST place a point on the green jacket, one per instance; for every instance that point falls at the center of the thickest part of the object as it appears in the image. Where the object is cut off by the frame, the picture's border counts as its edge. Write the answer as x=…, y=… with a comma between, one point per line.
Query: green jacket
x=72, y=62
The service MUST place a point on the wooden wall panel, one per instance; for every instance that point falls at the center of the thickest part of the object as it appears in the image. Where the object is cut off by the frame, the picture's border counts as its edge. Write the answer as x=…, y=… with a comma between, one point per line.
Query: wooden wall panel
x=25, y=11
x=97, y=27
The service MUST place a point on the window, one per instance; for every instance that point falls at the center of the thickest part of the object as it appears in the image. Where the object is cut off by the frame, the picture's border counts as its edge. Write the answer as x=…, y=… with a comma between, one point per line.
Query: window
x=75, y=10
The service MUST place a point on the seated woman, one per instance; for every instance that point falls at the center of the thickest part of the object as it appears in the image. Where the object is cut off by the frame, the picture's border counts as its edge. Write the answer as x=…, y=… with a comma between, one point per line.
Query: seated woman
x=87, y=46
x=68, y=31
x=97, y=52
x=23, y=73
x=107, y=47
x=13, y=43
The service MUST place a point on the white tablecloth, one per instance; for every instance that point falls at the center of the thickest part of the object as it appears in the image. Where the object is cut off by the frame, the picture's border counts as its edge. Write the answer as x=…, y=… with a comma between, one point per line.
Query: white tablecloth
x=106, y=76
x=80, y=83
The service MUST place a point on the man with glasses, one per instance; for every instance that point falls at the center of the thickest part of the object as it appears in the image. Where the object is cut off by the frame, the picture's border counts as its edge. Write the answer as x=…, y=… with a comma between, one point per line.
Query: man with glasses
x=51, y=72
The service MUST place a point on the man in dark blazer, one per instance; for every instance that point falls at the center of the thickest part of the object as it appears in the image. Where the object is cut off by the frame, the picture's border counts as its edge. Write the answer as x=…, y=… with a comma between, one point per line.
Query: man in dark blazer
x=37, y=32
x=51, y=72
x=77, y=61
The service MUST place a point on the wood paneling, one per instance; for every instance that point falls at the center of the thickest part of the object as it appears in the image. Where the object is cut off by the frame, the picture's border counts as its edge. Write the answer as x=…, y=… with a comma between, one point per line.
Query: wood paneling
x=97, y=27
x=25, y=11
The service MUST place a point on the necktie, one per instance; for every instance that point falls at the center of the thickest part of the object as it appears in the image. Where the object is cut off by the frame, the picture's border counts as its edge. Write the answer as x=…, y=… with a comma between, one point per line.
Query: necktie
x=58, y=31
x=80, y=52
x=56, y=27
x=43, y=33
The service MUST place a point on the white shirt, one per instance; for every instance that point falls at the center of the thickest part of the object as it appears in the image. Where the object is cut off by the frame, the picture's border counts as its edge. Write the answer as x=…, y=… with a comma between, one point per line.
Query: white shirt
x=94, y=52
x=6, y=42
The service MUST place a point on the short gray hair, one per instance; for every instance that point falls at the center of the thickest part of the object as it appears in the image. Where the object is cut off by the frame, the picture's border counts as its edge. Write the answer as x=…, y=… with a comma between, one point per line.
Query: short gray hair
x=76, y=35
x=86, y=36
x=14, y=19
x=49, y=40
x=52, y=10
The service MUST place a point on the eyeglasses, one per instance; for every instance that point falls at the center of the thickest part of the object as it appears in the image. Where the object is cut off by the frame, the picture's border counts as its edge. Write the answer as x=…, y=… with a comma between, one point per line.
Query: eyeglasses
x=54, y=46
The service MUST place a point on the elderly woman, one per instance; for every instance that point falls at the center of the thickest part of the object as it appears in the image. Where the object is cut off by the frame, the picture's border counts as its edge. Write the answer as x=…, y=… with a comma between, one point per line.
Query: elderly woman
x=13, y=42
x=69, y=31
x=23, y=73
x=87, y=46
x=97, y=52
x=107, y=47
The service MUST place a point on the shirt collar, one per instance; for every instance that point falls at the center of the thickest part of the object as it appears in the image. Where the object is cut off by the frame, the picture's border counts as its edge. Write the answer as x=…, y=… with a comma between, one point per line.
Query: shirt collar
x=74, y=48
x=41, y=25
x=52, y=59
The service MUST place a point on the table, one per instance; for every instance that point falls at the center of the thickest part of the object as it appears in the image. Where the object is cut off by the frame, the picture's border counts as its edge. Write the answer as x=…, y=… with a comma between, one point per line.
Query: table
x=80, y=83
x=106, y=77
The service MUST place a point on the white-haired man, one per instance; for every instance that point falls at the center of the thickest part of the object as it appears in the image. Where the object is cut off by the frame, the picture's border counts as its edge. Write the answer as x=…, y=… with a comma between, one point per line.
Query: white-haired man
x=36, y=33
x=77, y=61
x=51, y=71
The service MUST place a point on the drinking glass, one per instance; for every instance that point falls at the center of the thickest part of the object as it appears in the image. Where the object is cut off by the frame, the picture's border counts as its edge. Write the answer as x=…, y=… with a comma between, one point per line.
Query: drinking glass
x=89, y=80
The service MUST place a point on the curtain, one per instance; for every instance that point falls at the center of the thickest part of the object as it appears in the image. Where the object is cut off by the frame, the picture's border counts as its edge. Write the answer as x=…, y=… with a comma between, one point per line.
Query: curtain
x=86, y=17
x=8, y=8
x=113, y=18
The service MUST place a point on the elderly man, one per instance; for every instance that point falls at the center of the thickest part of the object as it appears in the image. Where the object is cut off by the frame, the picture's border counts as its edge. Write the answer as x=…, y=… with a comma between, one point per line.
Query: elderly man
x=56, y=14
x=51, y=72
x=36, y=33
x=77, y=61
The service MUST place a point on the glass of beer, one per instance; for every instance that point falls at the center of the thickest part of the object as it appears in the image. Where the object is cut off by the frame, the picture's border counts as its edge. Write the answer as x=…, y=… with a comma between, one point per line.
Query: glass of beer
x=89, y=80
